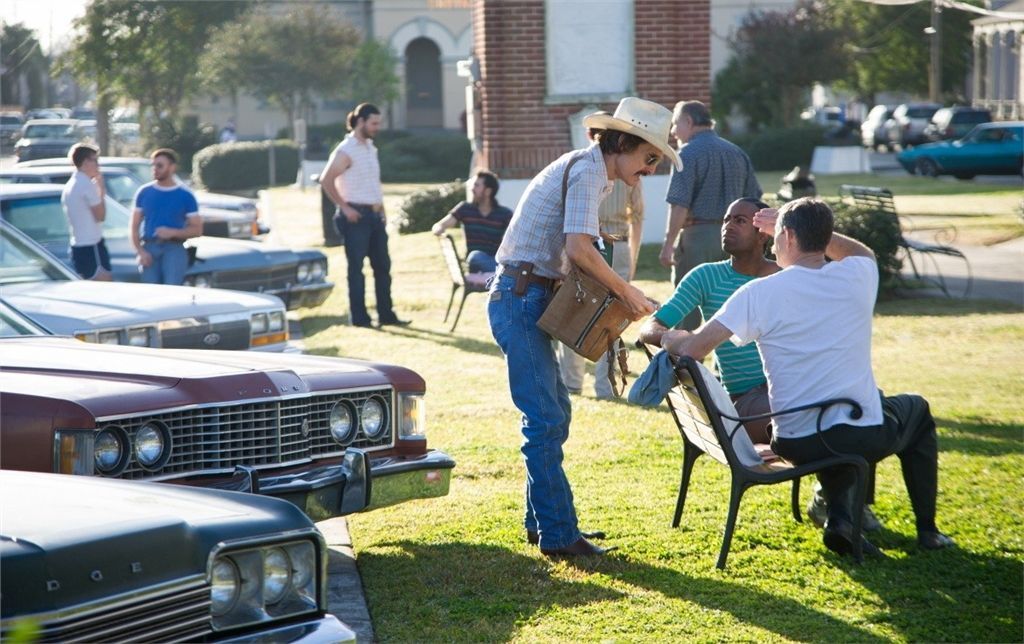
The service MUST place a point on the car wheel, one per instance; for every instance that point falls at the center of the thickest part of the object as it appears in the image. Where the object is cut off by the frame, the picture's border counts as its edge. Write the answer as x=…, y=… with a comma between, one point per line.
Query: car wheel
x=964, y=177
x=926, y=167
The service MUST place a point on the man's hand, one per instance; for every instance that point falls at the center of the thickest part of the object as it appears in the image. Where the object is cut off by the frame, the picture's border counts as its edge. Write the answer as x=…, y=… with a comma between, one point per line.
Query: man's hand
x=144, y=259
x=639, y=304
x=166, y=233
x=673, y=340
x=667, y=256
x=764, y=220
x=351, y=214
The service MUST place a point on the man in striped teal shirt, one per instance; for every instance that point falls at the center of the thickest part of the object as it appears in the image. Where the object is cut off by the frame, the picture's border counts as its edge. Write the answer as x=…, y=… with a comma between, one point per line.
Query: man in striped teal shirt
x=707, y=287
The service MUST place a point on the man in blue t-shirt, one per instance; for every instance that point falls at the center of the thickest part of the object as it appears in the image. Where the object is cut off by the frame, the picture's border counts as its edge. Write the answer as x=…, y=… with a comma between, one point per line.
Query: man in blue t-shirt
x=165, y=215
x=707, y=287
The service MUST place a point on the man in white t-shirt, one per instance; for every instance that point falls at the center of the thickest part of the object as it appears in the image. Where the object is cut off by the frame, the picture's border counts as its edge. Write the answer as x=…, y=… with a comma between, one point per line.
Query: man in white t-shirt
x=812, y=325
x=83, y=201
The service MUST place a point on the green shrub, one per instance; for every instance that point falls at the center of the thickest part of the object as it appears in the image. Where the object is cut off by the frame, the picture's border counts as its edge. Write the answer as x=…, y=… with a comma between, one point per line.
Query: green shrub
x=245, y=165
x=421, y=209
x=878, y=231
x=781, y=149
x=186, y=136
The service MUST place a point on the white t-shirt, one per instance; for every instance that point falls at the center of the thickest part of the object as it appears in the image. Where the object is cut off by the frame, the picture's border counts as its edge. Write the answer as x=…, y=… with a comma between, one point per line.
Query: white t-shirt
x=79, y=196
x=813, y=330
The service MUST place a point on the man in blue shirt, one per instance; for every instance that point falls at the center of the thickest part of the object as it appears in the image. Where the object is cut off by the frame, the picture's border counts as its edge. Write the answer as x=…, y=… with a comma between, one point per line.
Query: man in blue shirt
x=165, y=215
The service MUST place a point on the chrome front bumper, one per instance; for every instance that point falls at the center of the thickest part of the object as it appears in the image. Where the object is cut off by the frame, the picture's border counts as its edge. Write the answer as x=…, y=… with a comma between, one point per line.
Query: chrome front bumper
x=313, y=631
x=297, y=296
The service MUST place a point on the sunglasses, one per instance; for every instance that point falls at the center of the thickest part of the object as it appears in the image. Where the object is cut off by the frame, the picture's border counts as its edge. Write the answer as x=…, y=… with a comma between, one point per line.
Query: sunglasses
x=652, y=159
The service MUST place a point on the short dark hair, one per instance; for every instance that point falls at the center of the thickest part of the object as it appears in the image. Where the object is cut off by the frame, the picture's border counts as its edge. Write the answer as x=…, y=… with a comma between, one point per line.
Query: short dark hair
x=754, y=202
x=698, y=112
x=82, y=152
x=361, y=111
x=616, y=142
x=490, y=181
x=811, y=220
x=166, y=153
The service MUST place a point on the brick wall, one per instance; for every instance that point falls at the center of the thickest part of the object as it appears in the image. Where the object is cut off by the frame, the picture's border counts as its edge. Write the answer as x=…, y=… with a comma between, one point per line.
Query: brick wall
x=520, y=133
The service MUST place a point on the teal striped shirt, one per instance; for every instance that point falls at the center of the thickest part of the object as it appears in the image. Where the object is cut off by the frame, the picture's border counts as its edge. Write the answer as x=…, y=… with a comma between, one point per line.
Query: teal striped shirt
x=708, y=286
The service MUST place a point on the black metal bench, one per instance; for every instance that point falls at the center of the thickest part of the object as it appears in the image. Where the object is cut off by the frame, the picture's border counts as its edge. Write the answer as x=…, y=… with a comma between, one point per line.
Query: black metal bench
x=702, y=425
x=880, y=200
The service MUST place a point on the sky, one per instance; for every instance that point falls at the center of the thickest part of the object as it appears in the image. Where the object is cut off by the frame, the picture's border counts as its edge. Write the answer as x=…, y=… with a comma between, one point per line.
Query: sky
x=46, y=17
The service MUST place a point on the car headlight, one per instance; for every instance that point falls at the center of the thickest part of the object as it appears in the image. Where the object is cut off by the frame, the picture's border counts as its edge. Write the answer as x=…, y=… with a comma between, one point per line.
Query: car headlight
x=86, y=336
x=413, y=418
x=152, y=445
x=259, y=323
x=140, y=337
x=373, y=417
x=224, y=586
x=201, y=281
x=239, y=229
x=317, y=271
x=342, y=422
x=264, y=583
x=302, y=272
x=276, y=321
x=110, y=337
x=110, y=450
x=277, y=575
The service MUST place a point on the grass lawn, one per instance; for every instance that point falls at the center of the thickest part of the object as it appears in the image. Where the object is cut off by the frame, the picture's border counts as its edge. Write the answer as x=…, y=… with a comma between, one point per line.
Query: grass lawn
x=458, y=568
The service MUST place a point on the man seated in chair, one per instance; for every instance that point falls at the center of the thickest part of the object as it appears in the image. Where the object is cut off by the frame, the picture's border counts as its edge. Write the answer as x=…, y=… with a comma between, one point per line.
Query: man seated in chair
x=707, y=287
x=812, y=325
x=484, y=221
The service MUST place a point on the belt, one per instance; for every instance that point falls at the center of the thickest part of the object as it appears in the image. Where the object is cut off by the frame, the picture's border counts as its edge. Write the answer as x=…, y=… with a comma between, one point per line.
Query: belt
x=701, y=222
x=155, y=240
x=375, y=207
x=525, y=271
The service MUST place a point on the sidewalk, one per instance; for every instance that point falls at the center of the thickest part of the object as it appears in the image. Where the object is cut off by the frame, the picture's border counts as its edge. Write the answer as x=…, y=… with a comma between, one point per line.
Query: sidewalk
x=998, y=270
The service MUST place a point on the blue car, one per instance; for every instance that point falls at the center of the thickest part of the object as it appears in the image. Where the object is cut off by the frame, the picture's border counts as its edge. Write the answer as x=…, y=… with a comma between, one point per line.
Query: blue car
x=990, y=148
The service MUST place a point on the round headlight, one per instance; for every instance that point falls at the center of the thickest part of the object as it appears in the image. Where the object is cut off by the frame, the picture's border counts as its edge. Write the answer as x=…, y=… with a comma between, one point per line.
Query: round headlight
x=303, y=272
x=342, y=423
x=277, y=573
x=109, y=450
x=317, y=271
x=201, y=281
x=373, y=418
x=150, y=445
x=224, y=586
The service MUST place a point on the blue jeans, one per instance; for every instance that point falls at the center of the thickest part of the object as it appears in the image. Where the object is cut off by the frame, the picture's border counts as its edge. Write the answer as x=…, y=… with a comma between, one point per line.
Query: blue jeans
x=367, y=238
x=480, y=262
x=539, y=393
x=170, y=261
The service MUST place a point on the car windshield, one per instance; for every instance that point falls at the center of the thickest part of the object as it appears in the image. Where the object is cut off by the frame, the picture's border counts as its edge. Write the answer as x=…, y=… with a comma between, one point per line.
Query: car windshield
x=971, y=117
x=20, y=262
x=49, y=131
x=10, y=120
x=13, y=323
x=993, y=135
x=122, y=187
x=140, y=169
x=42, y=219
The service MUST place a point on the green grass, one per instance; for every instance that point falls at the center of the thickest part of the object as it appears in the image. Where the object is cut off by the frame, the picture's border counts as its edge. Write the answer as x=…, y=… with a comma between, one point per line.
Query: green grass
x=458, y=568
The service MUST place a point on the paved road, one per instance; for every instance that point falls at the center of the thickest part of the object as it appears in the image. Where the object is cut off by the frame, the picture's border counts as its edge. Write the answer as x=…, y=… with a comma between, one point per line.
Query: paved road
x=998, y=271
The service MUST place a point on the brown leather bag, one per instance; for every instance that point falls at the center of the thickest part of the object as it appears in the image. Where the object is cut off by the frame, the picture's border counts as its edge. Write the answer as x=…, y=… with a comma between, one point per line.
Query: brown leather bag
x=585, y=316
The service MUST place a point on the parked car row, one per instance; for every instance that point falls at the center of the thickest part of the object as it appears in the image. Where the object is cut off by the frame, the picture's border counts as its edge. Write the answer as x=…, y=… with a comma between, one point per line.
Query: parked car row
x=912, y=124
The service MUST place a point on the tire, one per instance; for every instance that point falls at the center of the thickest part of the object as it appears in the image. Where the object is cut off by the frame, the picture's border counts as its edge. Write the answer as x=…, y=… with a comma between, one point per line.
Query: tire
x=964, y=177
x=926, y=167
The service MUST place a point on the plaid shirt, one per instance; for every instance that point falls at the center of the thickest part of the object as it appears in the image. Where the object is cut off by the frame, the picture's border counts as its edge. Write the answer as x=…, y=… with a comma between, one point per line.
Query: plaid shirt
x=537, y=231
x=715, y=173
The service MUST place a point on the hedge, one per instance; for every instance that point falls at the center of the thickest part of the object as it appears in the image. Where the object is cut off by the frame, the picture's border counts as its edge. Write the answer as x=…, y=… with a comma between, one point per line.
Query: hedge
x=878, y=231
x=245, y=165
x=783, y=148
x=421, y=209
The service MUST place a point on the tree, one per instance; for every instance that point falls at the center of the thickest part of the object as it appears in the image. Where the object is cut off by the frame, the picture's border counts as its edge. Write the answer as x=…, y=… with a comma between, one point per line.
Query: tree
x=890, y=49
x=143, y=50
x=286, y=59
x=372, y=78
x=777, y=57
x=24, y=66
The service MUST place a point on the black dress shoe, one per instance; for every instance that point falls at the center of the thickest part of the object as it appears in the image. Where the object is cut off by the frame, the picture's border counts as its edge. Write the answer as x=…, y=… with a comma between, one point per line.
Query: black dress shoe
x=579, y=548
x=533, y=538
x=364, y=325
x=934, y=541
x=838, y=538
x=396, y=322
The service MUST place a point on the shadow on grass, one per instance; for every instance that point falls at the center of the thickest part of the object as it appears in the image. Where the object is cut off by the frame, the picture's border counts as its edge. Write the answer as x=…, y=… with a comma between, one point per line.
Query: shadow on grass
x=913, y=303
x=985, y=438
x=315, y=324
x=469, y=601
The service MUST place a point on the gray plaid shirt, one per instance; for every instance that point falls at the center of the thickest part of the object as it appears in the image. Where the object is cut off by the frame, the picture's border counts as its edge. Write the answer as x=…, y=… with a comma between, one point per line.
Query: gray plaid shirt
x=715, y=173
x=537, y=231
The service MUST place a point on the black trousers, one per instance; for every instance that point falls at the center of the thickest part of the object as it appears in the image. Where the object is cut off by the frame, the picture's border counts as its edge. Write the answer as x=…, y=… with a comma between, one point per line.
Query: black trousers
x=908, y=430
x=367, y=238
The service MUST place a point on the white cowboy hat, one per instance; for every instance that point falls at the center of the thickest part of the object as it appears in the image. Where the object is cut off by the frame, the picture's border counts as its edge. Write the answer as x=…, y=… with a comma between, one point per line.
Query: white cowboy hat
x=649, y=121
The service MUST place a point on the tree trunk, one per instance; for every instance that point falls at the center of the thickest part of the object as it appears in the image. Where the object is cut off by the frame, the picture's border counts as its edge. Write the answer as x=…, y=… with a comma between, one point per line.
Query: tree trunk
x=104, y=103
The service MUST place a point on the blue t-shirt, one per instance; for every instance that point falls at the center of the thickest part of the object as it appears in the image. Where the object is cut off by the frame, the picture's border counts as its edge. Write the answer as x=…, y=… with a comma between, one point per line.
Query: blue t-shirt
x=164, y=207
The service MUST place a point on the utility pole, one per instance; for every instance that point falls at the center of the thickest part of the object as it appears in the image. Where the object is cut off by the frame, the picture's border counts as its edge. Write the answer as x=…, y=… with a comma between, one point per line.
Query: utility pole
x=935, y=71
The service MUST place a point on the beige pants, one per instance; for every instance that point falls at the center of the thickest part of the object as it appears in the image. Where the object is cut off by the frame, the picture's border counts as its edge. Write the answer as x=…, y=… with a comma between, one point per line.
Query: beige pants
x=573, y=365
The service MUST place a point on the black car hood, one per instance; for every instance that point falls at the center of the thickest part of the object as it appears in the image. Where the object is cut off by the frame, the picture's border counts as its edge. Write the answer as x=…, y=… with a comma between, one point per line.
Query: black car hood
x=69, y=539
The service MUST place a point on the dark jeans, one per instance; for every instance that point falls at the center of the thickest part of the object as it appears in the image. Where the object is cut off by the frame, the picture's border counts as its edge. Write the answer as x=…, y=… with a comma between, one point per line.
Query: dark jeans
x=367, y=237
x=908, y=430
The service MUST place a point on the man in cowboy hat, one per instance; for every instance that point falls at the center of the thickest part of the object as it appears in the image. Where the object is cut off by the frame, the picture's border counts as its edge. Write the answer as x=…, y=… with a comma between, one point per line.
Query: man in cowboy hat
x=715, y=173
x=547, y=234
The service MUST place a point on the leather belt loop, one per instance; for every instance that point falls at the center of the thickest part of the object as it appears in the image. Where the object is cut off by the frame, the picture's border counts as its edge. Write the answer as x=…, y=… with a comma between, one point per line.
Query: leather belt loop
x=523, y=272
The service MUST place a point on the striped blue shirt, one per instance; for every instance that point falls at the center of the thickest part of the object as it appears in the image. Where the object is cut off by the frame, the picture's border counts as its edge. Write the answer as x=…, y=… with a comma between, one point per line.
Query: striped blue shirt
x=708, y=286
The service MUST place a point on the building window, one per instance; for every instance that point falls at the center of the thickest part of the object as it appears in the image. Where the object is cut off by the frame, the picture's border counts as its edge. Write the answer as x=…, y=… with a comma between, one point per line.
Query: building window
x=589, y=50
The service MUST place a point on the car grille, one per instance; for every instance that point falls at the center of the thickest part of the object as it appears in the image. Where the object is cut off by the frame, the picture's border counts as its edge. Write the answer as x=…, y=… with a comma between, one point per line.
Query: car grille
x=180, y=615
x=274, y=278
x=215, y=228
x=265, y=433
x=232, y=334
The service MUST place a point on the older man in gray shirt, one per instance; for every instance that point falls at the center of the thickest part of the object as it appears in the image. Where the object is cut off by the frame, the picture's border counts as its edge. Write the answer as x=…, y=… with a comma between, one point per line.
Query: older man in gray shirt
x=715, y=173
